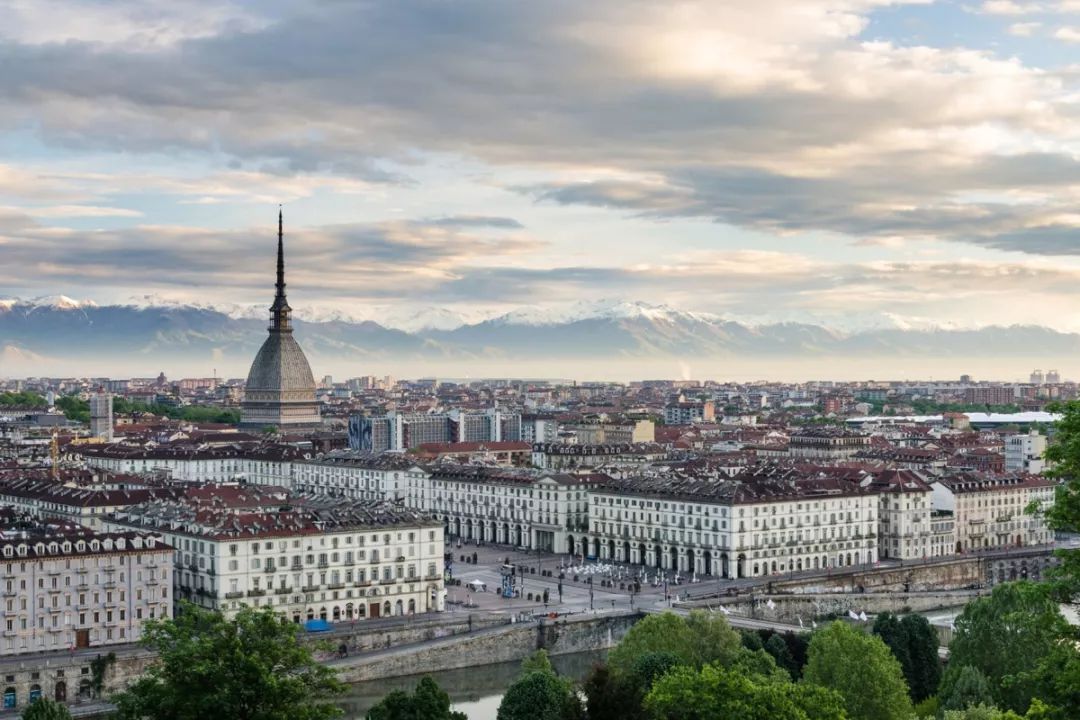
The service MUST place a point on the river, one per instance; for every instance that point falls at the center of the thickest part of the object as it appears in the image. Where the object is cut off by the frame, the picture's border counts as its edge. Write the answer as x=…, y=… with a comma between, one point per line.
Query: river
x=475, y=691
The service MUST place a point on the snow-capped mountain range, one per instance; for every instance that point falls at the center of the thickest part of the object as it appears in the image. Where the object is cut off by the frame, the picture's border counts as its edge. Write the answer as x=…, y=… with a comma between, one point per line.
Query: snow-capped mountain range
x=161, y=331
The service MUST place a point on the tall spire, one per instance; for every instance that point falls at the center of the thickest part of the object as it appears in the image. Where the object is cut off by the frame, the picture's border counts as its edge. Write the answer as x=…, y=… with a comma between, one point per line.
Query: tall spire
x=280, y=310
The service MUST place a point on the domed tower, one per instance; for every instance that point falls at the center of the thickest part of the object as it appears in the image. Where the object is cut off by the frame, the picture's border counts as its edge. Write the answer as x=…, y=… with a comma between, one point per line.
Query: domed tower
x=280, y=390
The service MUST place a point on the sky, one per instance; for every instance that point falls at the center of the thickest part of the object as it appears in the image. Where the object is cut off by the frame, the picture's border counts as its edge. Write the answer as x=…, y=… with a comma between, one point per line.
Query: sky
x=858, y=163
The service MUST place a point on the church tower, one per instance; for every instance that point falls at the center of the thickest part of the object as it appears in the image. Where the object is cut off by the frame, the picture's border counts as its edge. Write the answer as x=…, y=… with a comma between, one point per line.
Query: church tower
x=280, y=389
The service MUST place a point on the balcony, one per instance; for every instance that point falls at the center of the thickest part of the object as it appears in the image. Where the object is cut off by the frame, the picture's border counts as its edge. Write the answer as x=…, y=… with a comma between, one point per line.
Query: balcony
x=309, y=588
x=269, y=569
x=256, y=593
x=233, y=595
x=388, y=581
x=324, y=564
x=283, y=591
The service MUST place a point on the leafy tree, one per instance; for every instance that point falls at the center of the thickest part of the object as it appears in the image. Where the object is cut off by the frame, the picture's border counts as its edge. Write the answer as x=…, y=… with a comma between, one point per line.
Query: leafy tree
x=696, y=640
x=45, y=709
x=967, y=689
x=537, y=662
x=1064, y=515
x=923, y=645
x=608, y=697
x=250, y=668
x=539, y=696
x=751, y=640
x=1056, y=683
x=714, y=692
x=1005, y=636
x=914, y=644
x=778, y=648
x=24, y=399
x=862, y=669
x=428, y=702
x=981, y=712
x=651, y=666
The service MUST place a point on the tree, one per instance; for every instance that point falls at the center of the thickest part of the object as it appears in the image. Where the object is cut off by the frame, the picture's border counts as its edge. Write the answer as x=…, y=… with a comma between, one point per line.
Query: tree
x=914, y=644
x=967, y=689
x=539, y=696
x=923, y=646
x=250, y=668
x=610, y=698
x=45, y=709
x=862, y=669
x=778, y=648
x=1063, y=455
x=981, y=712
x=696, y=640
x=428, y=702
x=714, y=692
x=1005, y=636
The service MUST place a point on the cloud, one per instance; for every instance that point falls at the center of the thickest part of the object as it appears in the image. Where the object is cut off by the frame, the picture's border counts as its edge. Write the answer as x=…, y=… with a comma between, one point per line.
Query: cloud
x=343, y=260
x=1024, y=29
x=1068, y=34
x=79, y=211
x=1010, y=7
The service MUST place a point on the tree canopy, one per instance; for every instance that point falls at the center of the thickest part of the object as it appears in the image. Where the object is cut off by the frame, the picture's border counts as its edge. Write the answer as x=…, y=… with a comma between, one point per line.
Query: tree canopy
x=862, y=669
x=1006, y=636
x=914, y=644
x=696, y=640
x=715, y=692
x=252, y=667
x=540, y=694
x=45, y=709
x=427, y=702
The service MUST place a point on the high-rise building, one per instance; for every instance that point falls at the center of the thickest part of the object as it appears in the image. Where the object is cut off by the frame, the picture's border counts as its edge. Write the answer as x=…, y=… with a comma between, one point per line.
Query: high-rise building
x=1036, y=377
x=1053, y=377
x=280, y=389
x=101, y=415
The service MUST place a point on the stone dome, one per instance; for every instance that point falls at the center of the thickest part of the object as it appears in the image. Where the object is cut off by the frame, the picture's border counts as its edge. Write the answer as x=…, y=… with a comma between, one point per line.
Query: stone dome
x=281, y=366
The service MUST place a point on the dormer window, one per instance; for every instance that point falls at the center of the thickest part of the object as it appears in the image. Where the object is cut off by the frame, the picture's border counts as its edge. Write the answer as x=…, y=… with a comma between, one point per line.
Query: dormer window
x=80, y=546
x=95, y=545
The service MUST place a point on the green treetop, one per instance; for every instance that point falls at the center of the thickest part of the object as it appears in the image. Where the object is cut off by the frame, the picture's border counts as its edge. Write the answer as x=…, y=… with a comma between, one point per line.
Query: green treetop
x=250, y=668
x=861, y=669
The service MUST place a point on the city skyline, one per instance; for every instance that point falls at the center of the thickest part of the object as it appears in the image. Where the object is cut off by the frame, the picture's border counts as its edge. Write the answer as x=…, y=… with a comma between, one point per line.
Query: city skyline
x=856, y=164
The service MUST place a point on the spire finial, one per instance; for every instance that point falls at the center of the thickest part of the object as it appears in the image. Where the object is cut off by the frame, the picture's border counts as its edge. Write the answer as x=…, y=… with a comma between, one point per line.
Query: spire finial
x=279, y=312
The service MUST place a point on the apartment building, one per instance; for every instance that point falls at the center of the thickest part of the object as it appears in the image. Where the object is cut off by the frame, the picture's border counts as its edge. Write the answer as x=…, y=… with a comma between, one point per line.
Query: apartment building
x=67, y=587
x=533, y=510
x=904, y=514
x=306, y=557
x=756, y=524
x=992, y=511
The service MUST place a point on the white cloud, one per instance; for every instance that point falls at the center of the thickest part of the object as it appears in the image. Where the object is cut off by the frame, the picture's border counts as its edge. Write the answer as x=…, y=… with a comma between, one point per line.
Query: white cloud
x=78, y=211
x=1068, y=34
x=1010, y=7
x=1025, y=29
